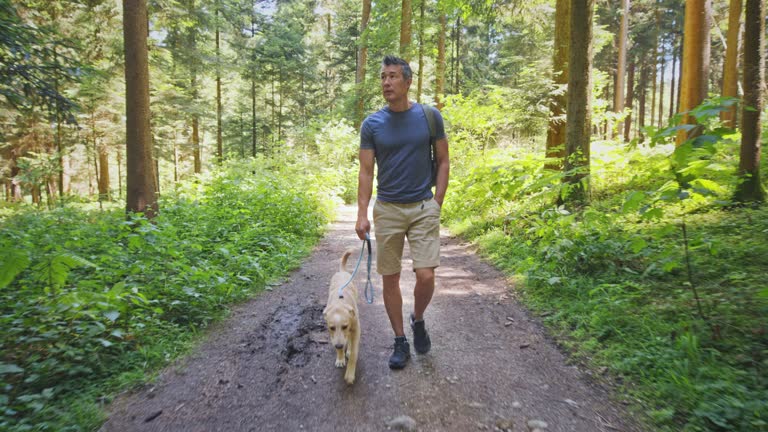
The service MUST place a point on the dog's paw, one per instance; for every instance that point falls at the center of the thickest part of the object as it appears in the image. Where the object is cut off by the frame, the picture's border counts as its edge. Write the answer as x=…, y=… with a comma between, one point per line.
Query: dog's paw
x=340, y=363
x=349, y=378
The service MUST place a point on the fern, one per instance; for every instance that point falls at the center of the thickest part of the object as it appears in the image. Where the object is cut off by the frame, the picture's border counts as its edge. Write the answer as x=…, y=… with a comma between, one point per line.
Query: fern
x=54, y=271
x=12, y=262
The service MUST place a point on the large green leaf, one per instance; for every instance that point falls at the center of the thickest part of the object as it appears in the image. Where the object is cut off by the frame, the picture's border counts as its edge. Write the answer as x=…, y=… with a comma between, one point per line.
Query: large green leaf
x=12, y=262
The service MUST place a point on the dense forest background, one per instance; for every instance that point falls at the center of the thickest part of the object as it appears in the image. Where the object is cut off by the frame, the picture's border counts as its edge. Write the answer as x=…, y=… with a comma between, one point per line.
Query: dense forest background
x=606, y=154
x=237, y=79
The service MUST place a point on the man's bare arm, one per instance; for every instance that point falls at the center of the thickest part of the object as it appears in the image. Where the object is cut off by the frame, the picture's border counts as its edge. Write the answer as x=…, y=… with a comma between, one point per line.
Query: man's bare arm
x=364, y=191
x=443, y=170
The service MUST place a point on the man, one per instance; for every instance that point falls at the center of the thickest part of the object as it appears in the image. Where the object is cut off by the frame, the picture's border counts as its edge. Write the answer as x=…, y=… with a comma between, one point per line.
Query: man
x=397, y=139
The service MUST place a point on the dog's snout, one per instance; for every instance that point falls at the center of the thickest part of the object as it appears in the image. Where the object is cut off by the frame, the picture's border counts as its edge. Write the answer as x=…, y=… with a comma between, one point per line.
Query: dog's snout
x=339, y=346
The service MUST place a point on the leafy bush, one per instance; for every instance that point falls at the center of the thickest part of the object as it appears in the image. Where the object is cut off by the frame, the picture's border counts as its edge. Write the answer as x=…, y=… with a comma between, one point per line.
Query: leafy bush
x=89, y=296
x=331, y=159
x=613, y=281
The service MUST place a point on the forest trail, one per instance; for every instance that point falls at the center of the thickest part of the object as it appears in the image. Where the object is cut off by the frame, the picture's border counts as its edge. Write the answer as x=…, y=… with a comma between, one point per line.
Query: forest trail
x=269, y=366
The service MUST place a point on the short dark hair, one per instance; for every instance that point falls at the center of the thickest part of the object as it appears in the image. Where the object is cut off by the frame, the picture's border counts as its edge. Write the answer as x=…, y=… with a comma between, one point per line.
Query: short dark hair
x=404, y=66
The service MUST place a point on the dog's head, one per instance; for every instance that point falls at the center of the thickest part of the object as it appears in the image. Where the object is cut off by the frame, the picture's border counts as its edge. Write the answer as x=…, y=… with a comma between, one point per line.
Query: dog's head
x=340, y=320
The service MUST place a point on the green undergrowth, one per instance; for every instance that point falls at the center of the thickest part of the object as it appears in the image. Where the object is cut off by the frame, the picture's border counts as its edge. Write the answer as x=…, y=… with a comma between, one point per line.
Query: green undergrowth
x=91, y=303
x=611, y=280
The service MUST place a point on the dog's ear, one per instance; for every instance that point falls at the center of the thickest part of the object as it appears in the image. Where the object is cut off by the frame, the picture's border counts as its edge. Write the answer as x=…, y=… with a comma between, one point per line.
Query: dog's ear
x=325, y=313
x=351, y=310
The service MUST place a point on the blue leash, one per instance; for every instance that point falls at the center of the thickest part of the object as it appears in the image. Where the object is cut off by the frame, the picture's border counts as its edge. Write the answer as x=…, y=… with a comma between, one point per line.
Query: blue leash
x=369, y=289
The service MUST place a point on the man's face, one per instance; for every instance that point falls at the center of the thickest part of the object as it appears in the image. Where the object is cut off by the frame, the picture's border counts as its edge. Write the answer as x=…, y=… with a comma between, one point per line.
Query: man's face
x=393, y=86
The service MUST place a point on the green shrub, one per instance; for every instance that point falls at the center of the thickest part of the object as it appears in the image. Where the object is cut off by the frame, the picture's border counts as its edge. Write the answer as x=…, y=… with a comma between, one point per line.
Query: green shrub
x=88, y=296
x=613, y=280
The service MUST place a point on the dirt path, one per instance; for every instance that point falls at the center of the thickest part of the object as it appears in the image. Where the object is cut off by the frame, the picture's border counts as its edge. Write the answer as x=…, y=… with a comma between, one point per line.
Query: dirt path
x=269, y=367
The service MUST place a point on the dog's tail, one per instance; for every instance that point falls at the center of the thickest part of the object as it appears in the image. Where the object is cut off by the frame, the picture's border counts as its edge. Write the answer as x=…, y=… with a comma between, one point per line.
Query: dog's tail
x=344, y=258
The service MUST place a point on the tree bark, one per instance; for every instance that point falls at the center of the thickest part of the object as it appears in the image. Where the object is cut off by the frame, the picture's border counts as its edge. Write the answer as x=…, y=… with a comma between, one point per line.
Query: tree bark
x=578, y=121
x=642, y=86
x=405, y=30
x=140, y=182
x=680, y=48
x=103, y=179
x=655, y=62
x=621, y=66
x=419, y=83
x=119, y=173
x=672, y=85
x=219, y=141
x=731, y=67
x=15, y=193
x=196, y=143
x=630, y=100
x=661, y=88
x=253, y=115
x=555, y=147
x=440, y=78
x=457, y=58
x=362, y=58
x=694, y=74
x=750, y=189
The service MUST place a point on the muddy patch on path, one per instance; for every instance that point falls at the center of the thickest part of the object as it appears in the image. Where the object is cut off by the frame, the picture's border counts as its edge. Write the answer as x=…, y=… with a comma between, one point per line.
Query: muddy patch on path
x=295, y=329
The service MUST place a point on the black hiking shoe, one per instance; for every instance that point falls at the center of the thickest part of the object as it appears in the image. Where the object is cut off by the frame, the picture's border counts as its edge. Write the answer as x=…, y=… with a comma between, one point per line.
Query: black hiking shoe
x=421, y=342
x=401, y=353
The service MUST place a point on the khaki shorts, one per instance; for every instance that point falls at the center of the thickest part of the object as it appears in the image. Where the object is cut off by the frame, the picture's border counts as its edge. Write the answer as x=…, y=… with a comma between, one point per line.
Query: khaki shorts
x=419, y=222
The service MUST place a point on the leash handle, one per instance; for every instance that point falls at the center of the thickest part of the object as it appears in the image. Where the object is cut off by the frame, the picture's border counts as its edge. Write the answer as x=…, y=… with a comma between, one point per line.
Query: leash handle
x=369, y=289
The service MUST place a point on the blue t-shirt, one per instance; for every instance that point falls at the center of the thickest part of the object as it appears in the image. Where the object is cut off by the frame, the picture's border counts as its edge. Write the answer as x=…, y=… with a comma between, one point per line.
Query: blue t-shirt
x=400, y=141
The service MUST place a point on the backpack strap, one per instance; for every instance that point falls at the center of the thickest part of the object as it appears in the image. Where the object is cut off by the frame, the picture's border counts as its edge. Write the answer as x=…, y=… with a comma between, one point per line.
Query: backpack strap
x=429, y=113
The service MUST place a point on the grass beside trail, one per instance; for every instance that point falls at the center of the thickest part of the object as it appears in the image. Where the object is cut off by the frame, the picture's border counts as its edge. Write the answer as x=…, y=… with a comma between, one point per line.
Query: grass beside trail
x=612, y=280
x=91, y=302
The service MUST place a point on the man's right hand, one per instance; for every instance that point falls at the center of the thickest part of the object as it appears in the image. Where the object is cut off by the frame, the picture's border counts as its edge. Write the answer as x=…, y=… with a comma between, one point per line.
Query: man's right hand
x=362, y=227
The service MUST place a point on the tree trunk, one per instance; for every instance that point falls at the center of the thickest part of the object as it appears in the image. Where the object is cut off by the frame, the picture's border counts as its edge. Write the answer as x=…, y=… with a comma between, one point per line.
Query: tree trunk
x=119, y=174
x=679, y=72
x=253, y=115
x=440, y=78
x=621, y=66
x=457, y=58
x=103, y=178
x=661, y=88
x=555, y=147
x=642, y=86
x=655, y=62
x=36, y=195
x=731, y=67
x=175, y=161
x=695, y=49
x=630, y=100
x=750, y=189
x=578, y=121
x=329, y=60
x=219, y=141
x=195, y=96
x=419, y=82
x=361, y=60
x=140, y=194
x=405, y=30
x=274, y=104
x=196, y=143
x=57, y=138
x=95, y=153
x=15, y=194
x=280, y=106
x=672, y=86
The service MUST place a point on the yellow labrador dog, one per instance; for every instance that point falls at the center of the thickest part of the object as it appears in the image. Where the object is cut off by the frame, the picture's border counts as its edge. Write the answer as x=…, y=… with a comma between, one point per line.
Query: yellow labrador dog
x=342, y=320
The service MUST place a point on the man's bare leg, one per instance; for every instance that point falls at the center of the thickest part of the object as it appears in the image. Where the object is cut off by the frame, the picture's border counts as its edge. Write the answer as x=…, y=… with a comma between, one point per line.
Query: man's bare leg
x=422, y=292
x=393, y=302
